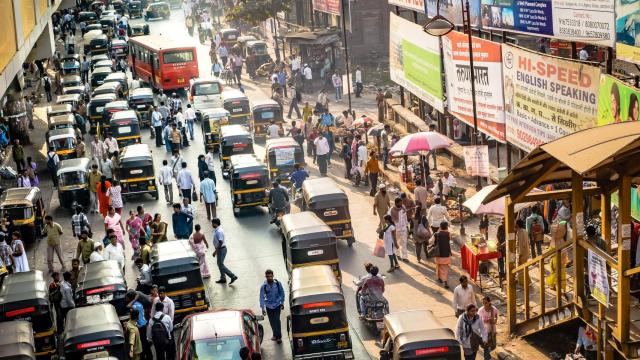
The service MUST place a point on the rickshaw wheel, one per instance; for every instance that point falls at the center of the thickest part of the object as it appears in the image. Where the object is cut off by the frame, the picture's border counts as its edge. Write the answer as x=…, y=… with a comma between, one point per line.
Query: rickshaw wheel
x=350, y=241
x=236, y=211
x=260, y=332
x=156, y=195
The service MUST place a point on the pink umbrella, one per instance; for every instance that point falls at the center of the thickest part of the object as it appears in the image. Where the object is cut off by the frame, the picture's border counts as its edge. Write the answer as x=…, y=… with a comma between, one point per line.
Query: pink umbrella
x=420, y=143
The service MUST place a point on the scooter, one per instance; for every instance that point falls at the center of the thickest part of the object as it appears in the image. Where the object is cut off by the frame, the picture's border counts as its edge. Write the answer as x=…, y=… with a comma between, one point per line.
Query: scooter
x=374, y=312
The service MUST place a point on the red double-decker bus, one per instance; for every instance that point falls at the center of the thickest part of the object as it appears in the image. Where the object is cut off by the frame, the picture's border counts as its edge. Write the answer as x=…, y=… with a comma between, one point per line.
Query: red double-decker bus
x=162, y=62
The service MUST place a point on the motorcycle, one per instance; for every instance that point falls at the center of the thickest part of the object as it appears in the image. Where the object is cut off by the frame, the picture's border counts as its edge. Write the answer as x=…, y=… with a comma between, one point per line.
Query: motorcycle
x=374, y=311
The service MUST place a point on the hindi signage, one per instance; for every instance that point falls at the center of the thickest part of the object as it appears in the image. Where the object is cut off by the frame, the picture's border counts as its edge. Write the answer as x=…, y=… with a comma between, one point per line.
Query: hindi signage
x=476, y=160
x=327, y=6
x=416, y=5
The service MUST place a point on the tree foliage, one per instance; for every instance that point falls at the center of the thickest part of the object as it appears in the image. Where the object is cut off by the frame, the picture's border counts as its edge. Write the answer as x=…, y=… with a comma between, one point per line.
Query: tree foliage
x=254, y=12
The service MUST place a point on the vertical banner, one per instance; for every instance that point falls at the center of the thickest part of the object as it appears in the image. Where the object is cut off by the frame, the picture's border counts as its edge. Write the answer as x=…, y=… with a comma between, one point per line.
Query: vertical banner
x=617, y=101
x=628, y=30
x=598, y=282
x=476, y=160
x=487, y=57
x=414, y=61
x=327, y=6
x=415, y=5
x=452, y=10
x=546, y=97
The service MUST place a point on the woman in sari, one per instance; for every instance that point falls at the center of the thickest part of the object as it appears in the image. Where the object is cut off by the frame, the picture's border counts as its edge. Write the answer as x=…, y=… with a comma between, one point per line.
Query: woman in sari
x=158, y=229
x=113, y=221
x=199, y=244
x=442, y=240
x=20, y=260
x=135, y=230
x=103, y=195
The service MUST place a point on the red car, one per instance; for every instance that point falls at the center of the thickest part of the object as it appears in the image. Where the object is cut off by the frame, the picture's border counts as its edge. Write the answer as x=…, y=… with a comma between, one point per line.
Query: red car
x=219, y=334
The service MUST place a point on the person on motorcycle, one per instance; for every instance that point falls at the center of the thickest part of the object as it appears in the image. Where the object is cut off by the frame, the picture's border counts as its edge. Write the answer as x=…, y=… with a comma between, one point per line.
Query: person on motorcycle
x=298, y=177
x=372, y=290
x=278, y=200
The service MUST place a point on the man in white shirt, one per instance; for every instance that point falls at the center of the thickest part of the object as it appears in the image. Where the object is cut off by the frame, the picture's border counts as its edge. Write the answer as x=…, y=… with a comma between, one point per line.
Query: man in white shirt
x=169, y=308
x=307, y=76
x=98, y=148
x=583, y=54
x=96, y=255
x=359, y=86
x=190, y=116
x=185, y=181
x=107, y=167
x=156, y=122
x=166, y=180
x=114, y=251
x=273, y=130
x=209, y=160
x=437, y=214
x=295, y=64
x=112, y=144
x=448, y=182
x=420, y=193
x=463, y=295
x=322, y=152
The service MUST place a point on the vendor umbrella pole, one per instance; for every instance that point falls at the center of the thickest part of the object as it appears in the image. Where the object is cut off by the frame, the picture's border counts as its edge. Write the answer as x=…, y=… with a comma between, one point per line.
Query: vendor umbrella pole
x=462, y=229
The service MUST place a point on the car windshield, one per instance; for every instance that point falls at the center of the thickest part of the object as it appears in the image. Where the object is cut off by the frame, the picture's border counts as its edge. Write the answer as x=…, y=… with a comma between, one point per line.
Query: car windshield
x=226, y=348
x=71, y=178
x=260, y=49
x=62, y=144
x=206, y=89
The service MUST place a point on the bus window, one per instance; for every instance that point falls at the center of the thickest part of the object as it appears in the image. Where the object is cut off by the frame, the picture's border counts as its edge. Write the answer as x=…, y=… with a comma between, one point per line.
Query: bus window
x=156, y=63
x=172, y=57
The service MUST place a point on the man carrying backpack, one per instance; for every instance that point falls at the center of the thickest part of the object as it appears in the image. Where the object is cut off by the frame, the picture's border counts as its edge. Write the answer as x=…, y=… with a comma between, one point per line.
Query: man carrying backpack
x=159, y=332
x=535, y=229
x=272, y=302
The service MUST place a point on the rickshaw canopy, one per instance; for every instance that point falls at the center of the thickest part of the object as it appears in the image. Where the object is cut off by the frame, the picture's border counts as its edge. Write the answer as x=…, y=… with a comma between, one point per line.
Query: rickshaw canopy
x=65, y=99
x=62, y=120
x=59, y=109
x=315, y=283
x=16, y=340
x=21, y=197
x=81, y=325
x=59, y=134
x=305, y=227
x=134, y=154
x=99, y=274
x=173, y=257
x=323, y=192
x=413, y=330
x=24, y=287
x=73, y=165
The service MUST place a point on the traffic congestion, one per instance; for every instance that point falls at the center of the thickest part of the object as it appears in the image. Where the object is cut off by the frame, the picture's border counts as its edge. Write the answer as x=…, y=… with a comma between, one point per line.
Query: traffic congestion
x=139, y=286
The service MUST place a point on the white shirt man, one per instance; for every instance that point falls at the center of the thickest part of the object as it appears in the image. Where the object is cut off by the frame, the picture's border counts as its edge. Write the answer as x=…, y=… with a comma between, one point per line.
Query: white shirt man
x=162, y=317
x=112, y=144
x=307, y=73
x=322, y=145
x=362, y=155
x=169, y=307
x=185, y=179
x=209, y=160
x=274, y=78
x=274, y=131
x=190, y=114
x=437, y=214
x=114, y=252
x=583, y=54
x=463, y=296
x=358, y=76
x=176, y=161
x=166, y=175
x=106, y=165
x=295, y=63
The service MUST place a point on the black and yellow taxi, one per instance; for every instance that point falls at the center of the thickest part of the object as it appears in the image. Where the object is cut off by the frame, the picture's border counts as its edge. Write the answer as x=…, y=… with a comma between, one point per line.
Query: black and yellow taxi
x=125, y=128
x=25, y=207
x=234, y=140
x=281, y=156
x=136, y=172
x=96, y=110
x=238, y=105
x=248, y=182
x=264, y=112
x=323, y=197
x=212, y=121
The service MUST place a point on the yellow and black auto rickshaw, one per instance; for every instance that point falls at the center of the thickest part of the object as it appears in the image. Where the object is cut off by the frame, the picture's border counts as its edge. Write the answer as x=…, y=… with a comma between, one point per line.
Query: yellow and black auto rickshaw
x=318, y=325
x=175, y=266
x=71, y=99
x=24, y=206
x=418, y=334
x=242, y=43
x=157, y=10
x=331, y=204
x=109, y=88
x=16, y=341
x=237, y=104
x=212, y=120
x=229, y=36
x=121, y=78
x=70, y=65
x=73, y=183
x=249, y=180
x=64, y=143
x=234, y=140
x=98, y=44
x=107, y=113
x=141, y=100
x=281, y=156
x=264, y=112
x=25, y=296
x=260, y=51
x=125, y=128
x=57, y=110
x=102, y=282
x=96, y=110
x=61, y=121
x=135, y=171
x=135, y=10
x=308, y=241
x=85, y=338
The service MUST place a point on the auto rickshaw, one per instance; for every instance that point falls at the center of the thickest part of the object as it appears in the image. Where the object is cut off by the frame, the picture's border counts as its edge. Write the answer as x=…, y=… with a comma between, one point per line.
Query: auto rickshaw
x=158, y=10
x=260, y=52
x=70, y=80
x=318, y=325
x=242, y=43
x=234, y=140
x=25, y=297
x=108, y=23
x=95, y=5
x=24, y=206
x=237, y=104
x=70, y=65
x=89, y=17
x=175, y=266
x=307, y=240
x=108, y=111
x=205, y=93
x=418, y=334
x=109, y=88
x=73, y=183
x=125, y=128
x=141, y=99
x=63, y=142
x=118, y=6
x=90, y=35
x=102, y=282
x=78, y=89
x=16, y=341
x=94, y=26
x=98, y=75
x=61, y=121
x=58, y=110
x=98, y=44
x=138, y=29
x=85, y=338
x=97, y=58
x=281, y=155
x=264, y=111
x=121, y=78
x=135, y=11
x=96, y=109
x=135, y=171
x=212, y=120
x=229, y=36
x=71, y=99
x=120, y=47
x=330, y=203
x=248, y=182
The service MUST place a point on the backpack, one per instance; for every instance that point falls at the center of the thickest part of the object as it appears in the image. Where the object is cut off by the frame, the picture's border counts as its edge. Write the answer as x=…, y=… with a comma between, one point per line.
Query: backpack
x=51, y=163
x=159, y=334
x=537, y=231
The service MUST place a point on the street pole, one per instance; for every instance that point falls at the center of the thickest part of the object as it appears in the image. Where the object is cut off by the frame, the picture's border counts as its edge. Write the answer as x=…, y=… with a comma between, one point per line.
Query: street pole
x=346, y=49
x=274, y=30
x=466, y=14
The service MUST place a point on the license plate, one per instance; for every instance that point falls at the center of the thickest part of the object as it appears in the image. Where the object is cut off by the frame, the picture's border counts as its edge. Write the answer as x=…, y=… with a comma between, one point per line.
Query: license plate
x=152, y=187
x=141, y=106
x=93, y=299
x=180, y=80
x=346, y=232
x=199, y=302
x=237, y=110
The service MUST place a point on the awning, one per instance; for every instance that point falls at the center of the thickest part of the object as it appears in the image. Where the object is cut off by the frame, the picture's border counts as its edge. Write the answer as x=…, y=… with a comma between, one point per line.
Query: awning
x=321, y=37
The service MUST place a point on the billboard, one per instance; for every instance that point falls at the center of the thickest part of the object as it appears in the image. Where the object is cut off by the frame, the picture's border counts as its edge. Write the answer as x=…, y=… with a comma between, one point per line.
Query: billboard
x=546, y=97
x=452, y=10
x=414, y=61
x=628, y=30
x=617, y=101
x=487, y=57
x=587, y=21
x=327, y=6
x=415, y=5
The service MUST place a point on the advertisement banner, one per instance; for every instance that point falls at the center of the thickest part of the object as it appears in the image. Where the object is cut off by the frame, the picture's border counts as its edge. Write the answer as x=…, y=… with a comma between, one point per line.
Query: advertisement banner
x=327, y=6
x=452, y=10
x=617, y=101
x=487, y=57
x=588, y=21
x=415, y=5
x=598, y=283
x=628, y=30
x=546, y=97
x=476, y=160
x=414, y=61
